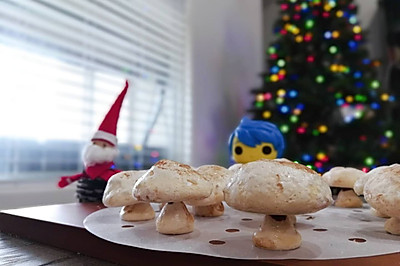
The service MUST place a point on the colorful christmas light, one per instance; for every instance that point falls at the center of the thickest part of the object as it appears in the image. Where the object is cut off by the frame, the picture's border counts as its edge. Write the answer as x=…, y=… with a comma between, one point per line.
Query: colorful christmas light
x=281, y=63
x=322, y=129
x=333, y=49
x=357, y=29
x=267, y=96
x=339, y=13
x=284, y=128
x=267, y=114
x=335, y=34
x=293, y=93
x=375, y=84
x=389, y=134
x=281, y=93
x=294, y=118
x=309, y=24
x=319, y=79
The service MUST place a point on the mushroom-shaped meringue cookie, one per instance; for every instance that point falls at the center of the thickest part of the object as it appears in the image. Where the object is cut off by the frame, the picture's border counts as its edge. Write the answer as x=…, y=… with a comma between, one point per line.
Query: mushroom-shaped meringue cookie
x=382, y=192
x=280, y=189
x=344, y=178
x=362, y=180
x=118, y=193
x=172, y=182
x=359, y=188
x=212, y=206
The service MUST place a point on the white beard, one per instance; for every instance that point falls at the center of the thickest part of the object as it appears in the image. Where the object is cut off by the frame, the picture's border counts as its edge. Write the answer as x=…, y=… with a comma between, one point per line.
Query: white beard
x=93, y=154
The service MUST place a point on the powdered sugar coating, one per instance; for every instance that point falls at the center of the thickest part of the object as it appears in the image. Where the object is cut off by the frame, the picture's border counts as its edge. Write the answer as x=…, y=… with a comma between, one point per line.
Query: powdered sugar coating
x=219, y=177
x=170, y=181
x=277, y=187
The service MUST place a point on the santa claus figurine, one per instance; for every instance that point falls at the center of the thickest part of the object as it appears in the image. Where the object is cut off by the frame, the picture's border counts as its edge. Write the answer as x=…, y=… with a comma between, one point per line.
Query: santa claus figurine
x=98, y=157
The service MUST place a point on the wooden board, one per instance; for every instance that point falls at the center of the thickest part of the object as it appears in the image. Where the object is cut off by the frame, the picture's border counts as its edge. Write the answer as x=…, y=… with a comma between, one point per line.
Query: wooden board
x=62, y=226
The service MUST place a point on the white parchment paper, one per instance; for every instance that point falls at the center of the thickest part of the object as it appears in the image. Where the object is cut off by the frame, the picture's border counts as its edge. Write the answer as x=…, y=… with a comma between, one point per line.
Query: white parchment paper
x=342, y=231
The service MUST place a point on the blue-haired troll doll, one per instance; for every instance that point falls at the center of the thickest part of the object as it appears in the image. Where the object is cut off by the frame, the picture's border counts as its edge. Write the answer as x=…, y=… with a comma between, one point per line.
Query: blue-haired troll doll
x=255, y=139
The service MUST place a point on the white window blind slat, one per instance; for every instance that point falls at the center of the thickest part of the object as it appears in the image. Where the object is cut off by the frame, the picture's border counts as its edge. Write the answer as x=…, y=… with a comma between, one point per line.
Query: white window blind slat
x=158, y=27
x=157, y=11
x=94, y=15
x=83, y=61
x=162, y=10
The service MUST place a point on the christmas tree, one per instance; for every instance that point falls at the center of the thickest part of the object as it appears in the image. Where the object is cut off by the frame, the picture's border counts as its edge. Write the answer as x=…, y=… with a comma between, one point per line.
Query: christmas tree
x=322, y=91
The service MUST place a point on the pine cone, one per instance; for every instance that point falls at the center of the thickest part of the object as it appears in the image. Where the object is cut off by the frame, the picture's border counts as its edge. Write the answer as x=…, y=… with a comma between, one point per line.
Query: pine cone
x=90, y=190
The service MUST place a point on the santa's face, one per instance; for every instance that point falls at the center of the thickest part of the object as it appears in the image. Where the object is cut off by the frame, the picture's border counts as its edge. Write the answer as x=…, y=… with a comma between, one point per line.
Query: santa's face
x=99, y=152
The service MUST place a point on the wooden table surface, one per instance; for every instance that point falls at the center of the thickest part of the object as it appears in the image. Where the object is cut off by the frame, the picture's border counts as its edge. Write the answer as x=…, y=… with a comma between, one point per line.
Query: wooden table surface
x=18, y=251
x=55, y=235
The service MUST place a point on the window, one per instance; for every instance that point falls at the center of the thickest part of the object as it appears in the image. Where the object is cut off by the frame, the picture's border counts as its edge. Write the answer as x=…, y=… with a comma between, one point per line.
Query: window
x=64, y=62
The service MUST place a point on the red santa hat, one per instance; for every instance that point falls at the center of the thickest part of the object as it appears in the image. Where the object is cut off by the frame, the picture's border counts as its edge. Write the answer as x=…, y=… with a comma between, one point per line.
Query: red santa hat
x=108, y=128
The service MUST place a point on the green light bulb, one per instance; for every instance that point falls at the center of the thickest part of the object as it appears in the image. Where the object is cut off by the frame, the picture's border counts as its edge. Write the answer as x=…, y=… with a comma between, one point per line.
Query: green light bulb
x=369, y=161
x=294, y=118
x=320, y=79
x=279, y=100
x=375, y=84
x=338, y=95
x=281, y=63
x=358, y=114
x=388, y=134
x=284, y=128
x=358, y=98
x=333, y=49
x=309, y=23
x=310, y=166
x=271, y=50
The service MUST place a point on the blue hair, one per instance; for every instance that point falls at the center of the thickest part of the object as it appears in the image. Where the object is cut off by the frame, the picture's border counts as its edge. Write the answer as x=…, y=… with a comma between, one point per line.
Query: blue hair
x=255, y=132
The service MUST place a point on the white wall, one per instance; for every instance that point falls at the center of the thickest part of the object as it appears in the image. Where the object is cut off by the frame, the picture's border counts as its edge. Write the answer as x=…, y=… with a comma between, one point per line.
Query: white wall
x=226, y=40
x=372, y=19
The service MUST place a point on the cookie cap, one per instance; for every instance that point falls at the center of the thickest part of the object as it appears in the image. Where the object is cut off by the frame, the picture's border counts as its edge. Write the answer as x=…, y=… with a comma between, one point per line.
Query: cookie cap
x=118, y=191
x=360, y=183
x=343, y=177
x=277, y=187
x=170, y=181
x=219, y=177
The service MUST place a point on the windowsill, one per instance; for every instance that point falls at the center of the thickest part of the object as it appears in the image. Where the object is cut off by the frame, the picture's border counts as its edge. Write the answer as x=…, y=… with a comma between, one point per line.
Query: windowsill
x=20, y=194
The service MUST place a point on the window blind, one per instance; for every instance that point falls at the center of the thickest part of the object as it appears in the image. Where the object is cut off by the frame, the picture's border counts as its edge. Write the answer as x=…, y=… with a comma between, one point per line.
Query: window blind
x=64, y=62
